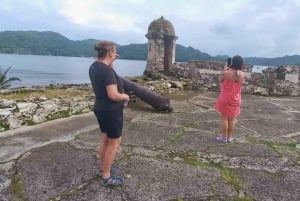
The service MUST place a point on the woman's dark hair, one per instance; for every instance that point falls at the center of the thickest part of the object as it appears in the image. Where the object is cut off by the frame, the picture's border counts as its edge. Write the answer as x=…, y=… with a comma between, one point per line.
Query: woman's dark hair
x=103, y=47
x=237, y=62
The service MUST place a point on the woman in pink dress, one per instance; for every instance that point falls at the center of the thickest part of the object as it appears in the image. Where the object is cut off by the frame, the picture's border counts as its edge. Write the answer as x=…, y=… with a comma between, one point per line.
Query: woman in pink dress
x=229, y=101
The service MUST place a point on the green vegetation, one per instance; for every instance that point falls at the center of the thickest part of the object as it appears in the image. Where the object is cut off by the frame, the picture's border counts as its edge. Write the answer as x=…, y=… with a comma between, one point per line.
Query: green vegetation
x=176, y=137
x=188, y=53
x=52, y=43
x=59, y=114
x=3, y=125
x=228, y=175
x=16, y=187
x=43, y=43
x=21, y=94
x=4, y=81
x=30, y=122
x=285, y=60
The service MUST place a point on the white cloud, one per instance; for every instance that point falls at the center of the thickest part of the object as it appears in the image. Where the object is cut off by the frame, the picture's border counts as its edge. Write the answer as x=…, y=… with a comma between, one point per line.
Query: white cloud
x=248, y=27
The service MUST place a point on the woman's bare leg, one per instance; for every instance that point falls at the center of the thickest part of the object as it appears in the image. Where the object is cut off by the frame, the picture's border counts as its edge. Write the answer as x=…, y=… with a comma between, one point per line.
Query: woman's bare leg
x=224, y=127
x=231, y=125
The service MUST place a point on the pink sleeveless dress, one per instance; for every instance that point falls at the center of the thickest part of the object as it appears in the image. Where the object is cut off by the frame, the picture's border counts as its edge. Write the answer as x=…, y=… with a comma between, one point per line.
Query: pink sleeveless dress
x=229, y=101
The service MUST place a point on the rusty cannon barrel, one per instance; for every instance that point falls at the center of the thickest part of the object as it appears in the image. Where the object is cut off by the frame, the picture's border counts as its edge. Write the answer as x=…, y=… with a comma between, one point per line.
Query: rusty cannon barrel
x=156, y=101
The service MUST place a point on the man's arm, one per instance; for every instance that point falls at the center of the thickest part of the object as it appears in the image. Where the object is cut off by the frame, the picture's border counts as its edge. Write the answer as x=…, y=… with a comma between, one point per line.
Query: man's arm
x=113, y=93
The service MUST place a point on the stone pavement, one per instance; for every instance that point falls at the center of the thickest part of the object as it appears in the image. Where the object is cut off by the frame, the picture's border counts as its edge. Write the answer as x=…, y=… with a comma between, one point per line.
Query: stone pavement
x=164, y=156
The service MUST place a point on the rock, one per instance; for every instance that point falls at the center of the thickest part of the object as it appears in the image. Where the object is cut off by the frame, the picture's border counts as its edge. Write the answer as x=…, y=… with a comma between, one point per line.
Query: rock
x=4, y=103
x=26, y=107
x=261, y=91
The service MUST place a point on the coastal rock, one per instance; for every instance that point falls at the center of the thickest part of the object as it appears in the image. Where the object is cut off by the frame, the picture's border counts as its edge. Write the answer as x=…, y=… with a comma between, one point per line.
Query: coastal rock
x=5, y=103
x=260, y=91
x=27, y=107
x=37, y=110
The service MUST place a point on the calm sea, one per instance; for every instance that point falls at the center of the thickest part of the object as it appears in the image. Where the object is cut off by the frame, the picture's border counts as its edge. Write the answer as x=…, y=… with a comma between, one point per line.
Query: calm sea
x=35, y=70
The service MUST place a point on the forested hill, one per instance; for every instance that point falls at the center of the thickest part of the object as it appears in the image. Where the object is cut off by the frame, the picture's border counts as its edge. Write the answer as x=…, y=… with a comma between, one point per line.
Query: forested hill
x=52, y=43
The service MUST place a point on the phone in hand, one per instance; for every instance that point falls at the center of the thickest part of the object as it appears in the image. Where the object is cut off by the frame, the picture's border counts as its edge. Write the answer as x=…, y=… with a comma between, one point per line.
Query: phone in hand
x=228, y=62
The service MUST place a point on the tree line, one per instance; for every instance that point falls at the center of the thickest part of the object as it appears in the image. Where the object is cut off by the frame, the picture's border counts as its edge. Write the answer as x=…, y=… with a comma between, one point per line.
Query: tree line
x=52, y=43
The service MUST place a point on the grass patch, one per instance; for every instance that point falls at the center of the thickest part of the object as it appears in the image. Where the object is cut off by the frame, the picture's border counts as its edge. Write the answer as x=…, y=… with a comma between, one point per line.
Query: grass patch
x=174, y=139
x=77, y=112
x=59, y=114
x=231, y=178
x=22, y=94
x=3, y=125
x=187, y=156
x=245, y=198
x=274, y=145
x=190, y=124
x=289, y=146
x=227, y=173
x=15, y=110
x=30, y=122
x=16, y=187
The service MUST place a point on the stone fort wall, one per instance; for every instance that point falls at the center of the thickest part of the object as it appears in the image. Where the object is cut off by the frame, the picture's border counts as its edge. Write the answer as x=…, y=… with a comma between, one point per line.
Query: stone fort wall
x=279, y=81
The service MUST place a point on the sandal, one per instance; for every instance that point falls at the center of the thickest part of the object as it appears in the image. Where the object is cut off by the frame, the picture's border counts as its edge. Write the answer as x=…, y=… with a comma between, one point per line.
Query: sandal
x=221, y=139
x=230, y=139
x=113, y=181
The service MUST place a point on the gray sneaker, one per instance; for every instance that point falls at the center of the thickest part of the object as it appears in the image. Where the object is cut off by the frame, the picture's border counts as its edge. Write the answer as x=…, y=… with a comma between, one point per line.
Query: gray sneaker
x=113, y=181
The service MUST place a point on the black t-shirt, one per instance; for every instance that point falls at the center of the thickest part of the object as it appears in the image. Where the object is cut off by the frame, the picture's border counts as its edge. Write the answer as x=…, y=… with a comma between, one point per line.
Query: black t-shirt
x=101, y=76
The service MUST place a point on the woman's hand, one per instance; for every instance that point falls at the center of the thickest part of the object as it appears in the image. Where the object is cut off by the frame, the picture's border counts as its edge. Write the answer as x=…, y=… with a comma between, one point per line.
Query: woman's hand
x=226, y=67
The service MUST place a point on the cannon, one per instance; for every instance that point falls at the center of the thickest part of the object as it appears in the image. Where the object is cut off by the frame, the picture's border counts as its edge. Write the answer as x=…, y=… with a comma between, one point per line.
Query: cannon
x=158, y=102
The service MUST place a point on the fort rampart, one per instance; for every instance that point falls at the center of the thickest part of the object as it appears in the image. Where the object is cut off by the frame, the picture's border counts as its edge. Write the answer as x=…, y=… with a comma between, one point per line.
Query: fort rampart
x=277, y=81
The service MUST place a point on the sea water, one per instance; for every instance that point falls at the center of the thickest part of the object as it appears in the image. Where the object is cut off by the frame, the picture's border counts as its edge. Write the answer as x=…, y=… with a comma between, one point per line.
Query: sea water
x=37, y=70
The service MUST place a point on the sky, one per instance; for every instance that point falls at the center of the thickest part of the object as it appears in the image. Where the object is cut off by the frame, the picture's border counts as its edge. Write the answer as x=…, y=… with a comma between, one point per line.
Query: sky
x=250, y=28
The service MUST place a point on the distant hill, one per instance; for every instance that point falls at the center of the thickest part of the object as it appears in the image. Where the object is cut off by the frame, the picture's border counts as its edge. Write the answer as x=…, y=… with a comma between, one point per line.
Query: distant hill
x=52, y=43
x=43, y=43
x=285, y=60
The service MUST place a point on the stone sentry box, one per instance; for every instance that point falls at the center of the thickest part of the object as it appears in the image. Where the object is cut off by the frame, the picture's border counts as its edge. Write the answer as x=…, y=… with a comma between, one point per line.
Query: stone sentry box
x=161, y=46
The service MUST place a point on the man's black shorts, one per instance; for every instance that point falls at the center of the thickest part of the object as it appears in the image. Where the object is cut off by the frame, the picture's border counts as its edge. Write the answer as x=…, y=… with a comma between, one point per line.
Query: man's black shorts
x=111, y=122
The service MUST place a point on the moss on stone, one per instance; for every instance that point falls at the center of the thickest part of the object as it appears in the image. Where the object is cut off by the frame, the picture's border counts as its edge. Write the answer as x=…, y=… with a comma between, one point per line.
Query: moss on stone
x=16, y=187
x=3, y=125
x=59, y=114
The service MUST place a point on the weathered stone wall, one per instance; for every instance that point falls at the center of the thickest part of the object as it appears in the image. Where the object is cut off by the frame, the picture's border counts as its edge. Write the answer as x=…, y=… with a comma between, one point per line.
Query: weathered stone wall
x=155, y=61
x=283, y=80
x=30, y=111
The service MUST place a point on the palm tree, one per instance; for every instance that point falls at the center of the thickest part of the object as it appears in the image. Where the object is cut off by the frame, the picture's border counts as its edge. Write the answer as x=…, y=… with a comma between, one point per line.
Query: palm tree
x=4, y=81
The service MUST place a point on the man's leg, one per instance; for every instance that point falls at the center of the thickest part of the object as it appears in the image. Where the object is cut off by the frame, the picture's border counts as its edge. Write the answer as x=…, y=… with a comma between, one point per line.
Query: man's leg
x=102, y=148
x=109, y=156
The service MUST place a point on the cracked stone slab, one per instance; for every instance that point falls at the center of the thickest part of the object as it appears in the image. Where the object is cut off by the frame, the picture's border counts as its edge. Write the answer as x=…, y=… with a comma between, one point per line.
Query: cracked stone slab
x=6, y=172
x=47, y=171
x=244, y=149
x=269, y=132
x=12, y=146
x=152, y=135
x=292, y=105
x=260, y=185
x=151, y=179
x=96, y=192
